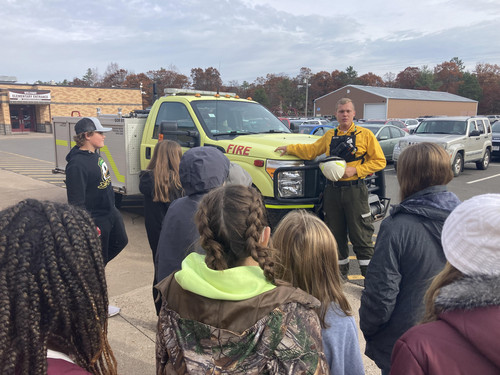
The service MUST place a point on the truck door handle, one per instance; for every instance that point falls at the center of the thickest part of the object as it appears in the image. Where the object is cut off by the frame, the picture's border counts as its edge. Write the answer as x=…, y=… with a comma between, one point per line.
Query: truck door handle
x=148, y=153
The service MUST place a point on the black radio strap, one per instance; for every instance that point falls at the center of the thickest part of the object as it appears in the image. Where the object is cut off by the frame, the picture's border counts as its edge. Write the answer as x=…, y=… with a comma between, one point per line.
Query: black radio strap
x=353, y=136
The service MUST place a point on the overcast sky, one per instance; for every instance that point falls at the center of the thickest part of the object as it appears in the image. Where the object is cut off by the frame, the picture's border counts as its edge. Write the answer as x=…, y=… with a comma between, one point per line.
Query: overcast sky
x=244, y=39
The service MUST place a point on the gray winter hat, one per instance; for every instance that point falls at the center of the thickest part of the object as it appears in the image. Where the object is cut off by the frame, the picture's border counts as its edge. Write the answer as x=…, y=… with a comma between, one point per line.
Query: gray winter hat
x=90, y=124
x=238, y=176
x=470, y=236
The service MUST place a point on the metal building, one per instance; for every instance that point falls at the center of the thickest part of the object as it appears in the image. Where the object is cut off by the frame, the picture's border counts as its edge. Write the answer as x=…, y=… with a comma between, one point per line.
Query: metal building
x=386, y=102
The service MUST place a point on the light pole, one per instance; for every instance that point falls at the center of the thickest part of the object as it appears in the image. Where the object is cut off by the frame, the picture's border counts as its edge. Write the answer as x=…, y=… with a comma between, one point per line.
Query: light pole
x=306, y=85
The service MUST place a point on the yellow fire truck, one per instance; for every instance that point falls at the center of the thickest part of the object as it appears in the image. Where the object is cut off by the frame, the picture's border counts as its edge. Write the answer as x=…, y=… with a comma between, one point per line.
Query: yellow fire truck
x=245, y=131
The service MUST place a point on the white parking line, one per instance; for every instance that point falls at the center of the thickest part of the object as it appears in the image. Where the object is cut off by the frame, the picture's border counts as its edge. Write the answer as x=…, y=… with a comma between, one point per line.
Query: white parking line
x=482, y=179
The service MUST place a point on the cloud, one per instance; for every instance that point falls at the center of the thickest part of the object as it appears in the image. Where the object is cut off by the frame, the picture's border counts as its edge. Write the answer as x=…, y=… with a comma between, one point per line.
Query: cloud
x=244, y=39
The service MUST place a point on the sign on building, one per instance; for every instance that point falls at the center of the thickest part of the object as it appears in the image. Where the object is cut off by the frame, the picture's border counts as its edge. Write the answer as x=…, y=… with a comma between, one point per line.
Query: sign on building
x=29, y=96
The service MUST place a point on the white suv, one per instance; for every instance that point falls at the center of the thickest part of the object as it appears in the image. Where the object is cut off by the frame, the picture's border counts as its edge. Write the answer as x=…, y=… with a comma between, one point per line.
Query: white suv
x=466, y=139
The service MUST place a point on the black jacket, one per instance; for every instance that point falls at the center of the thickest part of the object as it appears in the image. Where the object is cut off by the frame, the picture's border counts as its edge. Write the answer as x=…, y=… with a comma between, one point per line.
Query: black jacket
x=408, y=254
x=154, y=212
x=201, y=170
x=88, y=182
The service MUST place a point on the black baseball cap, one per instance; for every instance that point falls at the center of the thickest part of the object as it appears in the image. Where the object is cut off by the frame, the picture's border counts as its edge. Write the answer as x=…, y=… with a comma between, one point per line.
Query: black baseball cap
x=90, y=124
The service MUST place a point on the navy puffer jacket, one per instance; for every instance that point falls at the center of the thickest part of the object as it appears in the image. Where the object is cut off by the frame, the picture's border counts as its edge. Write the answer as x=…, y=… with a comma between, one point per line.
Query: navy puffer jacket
x=408, y=254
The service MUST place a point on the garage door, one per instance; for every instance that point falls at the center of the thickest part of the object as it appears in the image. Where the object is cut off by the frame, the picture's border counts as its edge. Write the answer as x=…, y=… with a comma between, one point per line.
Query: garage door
x=375, y=112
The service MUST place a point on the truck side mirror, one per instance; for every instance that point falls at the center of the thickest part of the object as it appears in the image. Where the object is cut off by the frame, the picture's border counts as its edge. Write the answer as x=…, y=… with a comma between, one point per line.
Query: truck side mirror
x=474, y=133
x=186, y=138
x=168, y=126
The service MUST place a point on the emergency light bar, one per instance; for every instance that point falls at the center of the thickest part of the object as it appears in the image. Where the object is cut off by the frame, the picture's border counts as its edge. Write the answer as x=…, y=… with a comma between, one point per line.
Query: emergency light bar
x=173, y=91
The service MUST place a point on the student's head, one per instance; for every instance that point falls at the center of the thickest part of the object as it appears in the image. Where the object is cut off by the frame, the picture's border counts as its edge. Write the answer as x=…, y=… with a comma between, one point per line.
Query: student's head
x=165, y=165
x=470, y=244
x=203, y=169
x=52, y=289
x=232, y=224
x=422, y=165
x=167, y=154
x=306, y=256
x=89, y=130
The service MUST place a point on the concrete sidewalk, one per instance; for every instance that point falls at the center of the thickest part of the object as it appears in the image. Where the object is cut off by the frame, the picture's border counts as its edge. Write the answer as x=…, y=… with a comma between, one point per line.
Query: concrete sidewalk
x=132, y=333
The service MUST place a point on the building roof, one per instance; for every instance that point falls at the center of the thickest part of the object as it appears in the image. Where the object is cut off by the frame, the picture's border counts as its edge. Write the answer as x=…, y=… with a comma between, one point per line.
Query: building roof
x=8, y=79
x=407, y=94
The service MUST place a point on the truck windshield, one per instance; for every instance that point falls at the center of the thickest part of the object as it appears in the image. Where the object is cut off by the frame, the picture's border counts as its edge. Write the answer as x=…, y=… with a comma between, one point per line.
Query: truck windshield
x=442, y=127
x=233, y=118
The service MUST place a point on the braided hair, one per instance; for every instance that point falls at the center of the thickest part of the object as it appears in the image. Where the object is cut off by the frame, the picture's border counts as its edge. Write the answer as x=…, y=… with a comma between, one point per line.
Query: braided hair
x=53, y=290
x=230, y=220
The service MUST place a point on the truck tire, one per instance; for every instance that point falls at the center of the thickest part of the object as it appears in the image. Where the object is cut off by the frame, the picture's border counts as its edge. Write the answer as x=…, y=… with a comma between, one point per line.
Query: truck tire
x=485, y=161
x=395, y=166
x=458, y=164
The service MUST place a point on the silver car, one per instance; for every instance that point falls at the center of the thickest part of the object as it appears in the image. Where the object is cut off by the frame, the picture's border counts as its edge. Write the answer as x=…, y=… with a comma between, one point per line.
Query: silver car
x=466, y=139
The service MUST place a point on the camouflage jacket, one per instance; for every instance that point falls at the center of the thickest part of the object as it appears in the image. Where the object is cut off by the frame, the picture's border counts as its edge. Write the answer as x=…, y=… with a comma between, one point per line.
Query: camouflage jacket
x=276, y=332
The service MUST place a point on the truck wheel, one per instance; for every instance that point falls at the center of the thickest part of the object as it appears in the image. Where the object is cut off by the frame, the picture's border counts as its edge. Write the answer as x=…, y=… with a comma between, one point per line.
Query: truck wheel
x=485, y=161
x=457, y=165
x=396, y=166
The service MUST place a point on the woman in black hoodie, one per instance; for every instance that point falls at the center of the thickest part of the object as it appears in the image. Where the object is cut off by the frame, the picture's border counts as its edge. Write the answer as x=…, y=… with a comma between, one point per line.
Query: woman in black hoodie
x=161, y=185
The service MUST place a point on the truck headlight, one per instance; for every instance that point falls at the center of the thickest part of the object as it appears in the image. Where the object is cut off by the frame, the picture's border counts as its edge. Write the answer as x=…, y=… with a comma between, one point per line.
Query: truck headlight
x=290, y=183
x=447, y=148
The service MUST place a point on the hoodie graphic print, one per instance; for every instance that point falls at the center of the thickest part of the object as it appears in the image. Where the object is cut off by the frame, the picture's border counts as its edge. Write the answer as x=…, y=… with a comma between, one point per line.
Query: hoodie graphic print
x=88, y=182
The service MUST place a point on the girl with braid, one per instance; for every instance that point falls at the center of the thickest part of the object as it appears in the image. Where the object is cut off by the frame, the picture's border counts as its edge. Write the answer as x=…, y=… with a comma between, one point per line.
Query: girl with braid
x=224, y=312
x=53, y=296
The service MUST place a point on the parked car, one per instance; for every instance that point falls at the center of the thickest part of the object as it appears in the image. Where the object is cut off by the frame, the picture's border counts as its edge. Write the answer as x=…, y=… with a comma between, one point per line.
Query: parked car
x=495, y=149
x=398, y=123
x=334, y=123
x=387, y=135
x=315, y=122
x=285, y=120
x=493, y=118
x=314, y=129
x=466, y=139
x=411, y=123
x=294, y=124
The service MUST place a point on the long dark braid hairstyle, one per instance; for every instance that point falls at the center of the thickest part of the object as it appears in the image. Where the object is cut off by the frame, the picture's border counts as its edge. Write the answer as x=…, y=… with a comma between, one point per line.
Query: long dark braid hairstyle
x=53, y=291
x=231, y=220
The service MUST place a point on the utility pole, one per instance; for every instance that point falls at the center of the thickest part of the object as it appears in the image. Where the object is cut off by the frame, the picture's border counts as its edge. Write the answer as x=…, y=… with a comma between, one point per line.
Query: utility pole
x=306, y=85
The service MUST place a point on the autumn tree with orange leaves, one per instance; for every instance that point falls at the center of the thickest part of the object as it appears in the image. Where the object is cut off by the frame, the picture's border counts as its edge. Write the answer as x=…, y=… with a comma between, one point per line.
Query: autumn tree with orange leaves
x=449, y=75
x=285, y=95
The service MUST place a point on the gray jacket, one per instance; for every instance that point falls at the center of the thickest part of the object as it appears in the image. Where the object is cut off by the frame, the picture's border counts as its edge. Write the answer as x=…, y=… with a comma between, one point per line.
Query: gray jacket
x=201, y=170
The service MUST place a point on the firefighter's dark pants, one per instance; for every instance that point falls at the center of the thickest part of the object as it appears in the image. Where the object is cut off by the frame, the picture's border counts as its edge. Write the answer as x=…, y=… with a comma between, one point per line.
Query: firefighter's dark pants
x=347, y=212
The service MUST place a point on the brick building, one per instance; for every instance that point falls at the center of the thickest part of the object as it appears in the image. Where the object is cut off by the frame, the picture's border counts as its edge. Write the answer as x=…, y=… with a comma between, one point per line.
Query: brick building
x=387, y=102
x=30, y=108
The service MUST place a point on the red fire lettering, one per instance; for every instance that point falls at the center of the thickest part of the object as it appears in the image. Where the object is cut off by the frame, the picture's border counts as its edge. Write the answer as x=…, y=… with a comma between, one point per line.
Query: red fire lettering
x=239, y=150
x=246, y=151
x=229, y=147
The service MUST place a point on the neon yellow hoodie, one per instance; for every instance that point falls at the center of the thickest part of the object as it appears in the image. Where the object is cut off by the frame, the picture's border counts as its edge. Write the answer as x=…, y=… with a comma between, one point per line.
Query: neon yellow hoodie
x=232, y=284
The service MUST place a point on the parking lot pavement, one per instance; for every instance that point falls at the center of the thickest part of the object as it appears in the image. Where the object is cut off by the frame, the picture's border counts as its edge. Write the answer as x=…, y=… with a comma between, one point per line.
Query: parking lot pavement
x=129, y=276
